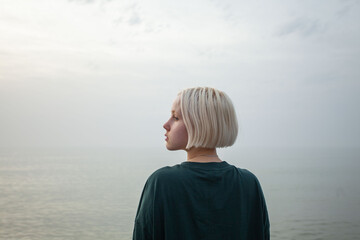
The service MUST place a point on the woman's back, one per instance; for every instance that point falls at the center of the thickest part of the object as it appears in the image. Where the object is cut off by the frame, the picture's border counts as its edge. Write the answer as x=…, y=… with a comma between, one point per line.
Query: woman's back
x=194, y=200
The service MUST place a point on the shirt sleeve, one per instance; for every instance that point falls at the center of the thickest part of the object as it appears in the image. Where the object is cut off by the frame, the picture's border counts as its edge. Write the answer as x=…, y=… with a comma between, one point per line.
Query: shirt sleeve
x=265, y=216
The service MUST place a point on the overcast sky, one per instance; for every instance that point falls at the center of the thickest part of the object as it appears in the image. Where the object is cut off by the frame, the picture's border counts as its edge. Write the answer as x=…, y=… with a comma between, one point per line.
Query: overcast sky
x=105, y=73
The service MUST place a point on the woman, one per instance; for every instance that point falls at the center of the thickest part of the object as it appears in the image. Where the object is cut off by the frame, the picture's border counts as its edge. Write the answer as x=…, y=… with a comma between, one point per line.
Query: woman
x=203, y=197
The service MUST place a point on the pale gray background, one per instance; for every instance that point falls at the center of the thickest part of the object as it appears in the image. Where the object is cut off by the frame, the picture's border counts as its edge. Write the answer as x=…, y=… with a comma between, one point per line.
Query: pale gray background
x=104, y=73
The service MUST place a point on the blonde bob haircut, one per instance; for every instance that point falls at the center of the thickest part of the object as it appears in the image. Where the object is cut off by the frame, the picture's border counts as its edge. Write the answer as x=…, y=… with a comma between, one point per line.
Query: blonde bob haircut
x=209, y=117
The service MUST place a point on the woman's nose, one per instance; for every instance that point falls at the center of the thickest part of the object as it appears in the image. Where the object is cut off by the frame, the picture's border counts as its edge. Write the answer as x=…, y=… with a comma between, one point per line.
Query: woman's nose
x=166, y=126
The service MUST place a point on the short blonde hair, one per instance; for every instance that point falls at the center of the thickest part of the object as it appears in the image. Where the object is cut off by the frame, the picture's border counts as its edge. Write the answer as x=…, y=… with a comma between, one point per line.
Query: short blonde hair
x=209, y=117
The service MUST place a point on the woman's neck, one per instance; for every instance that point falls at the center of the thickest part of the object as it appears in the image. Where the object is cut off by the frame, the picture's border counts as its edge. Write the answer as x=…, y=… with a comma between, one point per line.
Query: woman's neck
x=202, y=155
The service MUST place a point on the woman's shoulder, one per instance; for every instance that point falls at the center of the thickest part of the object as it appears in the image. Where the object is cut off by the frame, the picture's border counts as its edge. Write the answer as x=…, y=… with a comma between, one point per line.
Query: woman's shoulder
x=246, y=172
x=247, y=175
x=165, y=173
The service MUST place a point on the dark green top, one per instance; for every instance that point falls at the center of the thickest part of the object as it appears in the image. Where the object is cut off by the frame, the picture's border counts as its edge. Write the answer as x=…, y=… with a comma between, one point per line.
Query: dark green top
x=202, y=201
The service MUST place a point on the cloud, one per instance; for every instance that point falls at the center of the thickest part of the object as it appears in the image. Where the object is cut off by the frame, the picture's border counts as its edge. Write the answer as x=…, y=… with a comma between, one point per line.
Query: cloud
x=343, y=11
x=349, y=8
x=302, y=26
x=89, y=1
x=82, y=1
x=134, y=19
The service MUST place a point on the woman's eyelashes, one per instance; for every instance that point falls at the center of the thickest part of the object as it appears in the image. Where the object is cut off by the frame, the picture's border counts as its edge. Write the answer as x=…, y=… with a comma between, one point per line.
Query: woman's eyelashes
x=176, y=118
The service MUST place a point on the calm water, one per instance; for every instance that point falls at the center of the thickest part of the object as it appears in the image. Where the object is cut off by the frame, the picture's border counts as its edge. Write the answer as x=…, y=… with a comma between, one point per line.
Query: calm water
x=88, y=194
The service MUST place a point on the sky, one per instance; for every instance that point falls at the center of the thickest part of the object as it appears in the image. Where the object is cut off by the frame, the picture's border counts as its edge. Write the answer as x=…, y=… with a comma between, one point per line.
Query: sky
x=100, y=73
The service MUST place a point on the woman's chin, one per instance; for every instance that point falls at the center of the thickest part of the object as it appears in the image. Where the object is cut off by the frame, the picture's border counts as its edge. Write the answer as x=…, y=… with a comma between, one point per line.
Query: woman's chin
x=171, y=148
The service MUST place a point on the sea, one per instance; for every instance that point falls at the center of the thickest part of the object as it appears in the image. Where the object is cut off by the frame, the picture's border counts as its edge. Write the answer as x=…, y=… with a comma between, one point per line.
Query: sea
x=93, y=193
